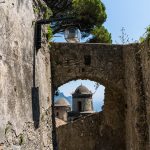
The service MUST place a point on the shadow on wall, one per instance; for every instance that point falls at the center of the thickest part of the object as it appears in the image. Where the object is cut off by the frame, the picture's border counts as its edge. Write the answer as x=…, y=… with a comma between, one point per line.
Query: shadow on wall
x=35, y=90
x=35, y=106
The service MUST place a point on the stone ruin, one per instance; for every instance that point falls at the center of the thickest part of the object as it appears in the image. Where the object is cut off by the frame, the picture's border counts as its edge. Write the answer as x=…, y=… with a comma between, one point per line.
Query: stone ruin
x=122, y=69
x=27, y=116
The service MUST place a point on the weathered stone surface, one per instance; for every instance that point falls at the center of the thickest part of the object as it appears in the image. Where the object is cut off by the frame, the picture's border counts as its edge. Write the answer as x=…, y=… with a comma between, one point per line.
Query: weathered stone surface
x=124, y=71
x=106, y=66
x=69, y=63
x=27, y=124
x=145, y=69
x=136, y=114
x=17, y=127
x=104, y=130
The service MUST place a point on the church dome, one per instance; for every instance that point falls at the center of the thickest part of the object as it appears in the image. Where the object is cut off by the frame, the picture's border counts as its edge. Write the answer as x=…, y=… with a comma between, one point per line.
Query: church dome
x=82, y=90
x=62, y=102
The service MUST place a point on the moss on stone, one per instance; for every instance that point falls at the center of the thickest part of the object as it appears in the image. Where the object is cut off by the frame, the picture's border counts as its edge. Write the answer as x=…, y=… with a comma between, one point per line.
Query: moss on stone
x=47, y=11
x=21, y=139
x=49, y=33
x=6, y=130
x=41, y=9
x=8, y=127
x=36, y=10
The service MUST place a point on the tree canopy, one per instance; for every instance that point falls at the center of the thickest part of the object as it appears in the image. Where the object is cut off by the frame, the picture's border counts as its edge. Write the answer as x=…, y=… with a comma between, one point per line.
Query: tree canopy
x=89, y=16
x=100, y=33
x=146, y=35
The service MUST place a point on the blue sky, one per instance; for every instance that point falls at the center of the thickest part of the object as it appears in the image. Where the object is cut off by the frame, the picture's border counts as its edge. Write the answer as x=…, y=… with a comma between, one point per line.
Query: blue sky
x=134, y=16
x=98, y=95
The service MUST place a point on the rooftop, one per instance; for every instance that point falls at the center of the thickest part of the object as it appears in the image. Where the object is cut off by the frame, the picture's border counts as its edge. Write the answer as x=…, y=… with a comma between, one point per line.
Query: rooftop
x=82, y=90
x=62, y=102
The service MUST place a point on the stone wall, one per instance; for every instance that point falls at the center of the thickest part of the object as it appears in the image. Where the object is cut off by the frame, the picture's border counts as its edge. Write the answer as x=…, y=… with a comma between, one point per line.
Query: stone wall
x=124, y=71
x=145, y=68
x=26, y=120
x=18, y=128
x=102, y=63
x=90, y=133
x=81, y=134
x=136, y=115
x=104, y=130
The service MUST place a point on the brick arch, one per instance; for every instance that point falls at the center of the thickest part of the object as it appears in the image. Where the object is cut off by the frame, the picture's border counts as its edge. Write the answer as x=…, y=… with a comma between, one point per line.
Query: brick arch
x=102, y=63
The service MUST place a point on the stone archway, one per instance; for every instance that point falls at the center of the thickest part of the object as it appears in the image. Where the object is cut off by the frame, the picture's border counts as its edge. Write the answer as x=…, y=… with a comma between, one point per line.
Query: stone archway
x=103, y=64
x=124, y=71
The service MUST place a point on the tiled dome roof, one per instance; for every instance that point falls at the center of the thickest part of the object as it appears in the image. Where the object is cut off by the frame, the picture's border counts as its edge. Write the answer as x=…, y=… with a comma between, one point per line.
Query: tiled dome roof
x=82, y=90
x=62, y=102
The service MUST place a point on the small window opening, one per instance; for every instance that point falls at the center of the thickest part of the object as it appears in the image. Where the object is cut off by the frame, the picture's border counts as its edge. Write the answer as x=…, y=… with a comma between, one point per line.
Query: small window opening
x=79, y=106
x=83, y=70
x=87, y=60
x=57, y=114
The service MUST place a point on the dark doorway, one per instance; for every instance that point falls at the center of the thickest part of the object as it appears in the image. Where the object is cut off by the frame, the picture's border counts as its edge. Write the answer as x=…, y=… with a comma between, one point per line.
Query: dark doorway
x=57, y=114
x=79, y=106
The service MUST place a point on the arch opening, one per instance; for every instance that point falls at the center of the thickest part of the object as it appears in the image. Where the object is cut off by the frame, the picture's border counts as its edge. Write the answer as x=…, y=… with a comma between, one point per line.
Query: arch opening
x=105, y=65
x=101, y=114
x=66, y=91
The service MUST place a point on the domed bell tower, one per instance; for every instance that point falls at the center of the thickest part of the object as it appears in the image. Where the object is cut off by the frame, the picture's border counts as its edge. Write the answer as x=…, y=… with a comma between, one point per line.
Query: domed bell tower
x=61, y=109
x=82, y=100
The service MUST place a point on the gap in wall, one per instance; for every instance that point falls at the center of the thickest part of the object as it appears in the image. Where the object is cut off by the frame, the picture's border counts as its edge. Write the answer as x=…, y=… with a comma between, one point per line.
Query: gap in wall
x=66, y=90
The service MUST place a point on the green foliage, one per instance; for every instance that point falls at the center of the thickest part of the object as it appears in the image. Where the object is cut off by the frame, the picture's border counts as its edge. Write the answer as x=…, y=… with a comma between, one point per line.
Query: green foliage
x=42, y=10
x=21, y=139
x=146, y=35
x=8, y=127
x=36, y=10
x=148, y=32
x=49, y=33
x=142, y=39
x=47, y=11
x=59, y=7
x=101, y=35
x=89, y=12
x=89, y=17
